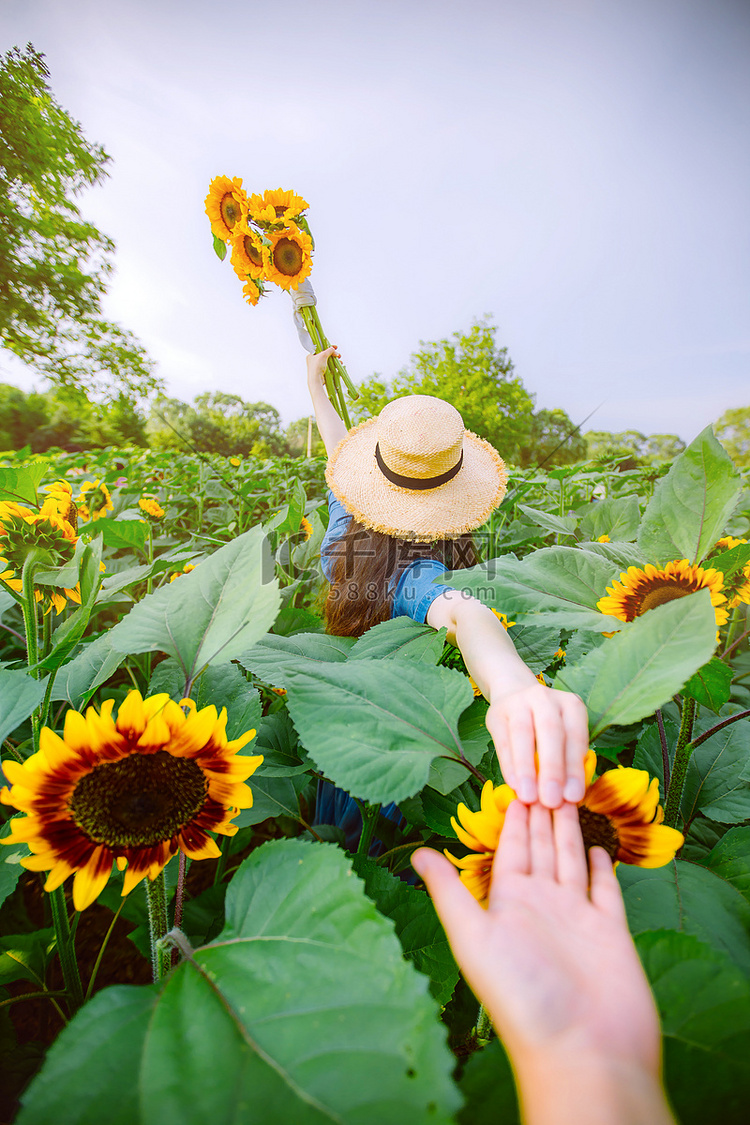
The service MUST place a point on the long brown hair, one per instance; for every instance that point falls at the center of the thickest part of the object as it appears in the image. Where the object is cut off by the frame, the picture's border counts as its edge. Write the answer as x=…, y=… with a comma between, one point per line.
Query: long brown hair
x=366, y=569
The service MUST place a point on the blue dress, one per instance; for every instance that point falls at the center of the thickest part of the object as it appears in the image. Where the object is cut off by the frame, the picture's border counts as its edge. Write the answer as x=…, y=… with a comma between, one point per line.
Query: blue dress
x=415, y=592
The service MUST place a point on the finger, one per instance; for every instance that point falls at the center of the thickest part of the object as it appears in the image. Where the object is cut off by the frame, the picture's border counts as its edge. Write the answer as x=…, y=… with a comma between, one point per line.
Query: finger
x=550, y=740
x=513, y=856
x=569, y=850
x=455, y=905
x=604, y=889
x=576, y=725
x=542, y=842
x=521, y=741
x=498, y=729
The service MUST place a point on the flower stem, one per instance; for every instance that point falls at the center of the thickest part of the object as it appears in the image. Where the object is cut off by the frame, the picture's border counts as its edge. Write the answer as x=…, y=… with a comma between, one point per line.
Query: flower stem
x=370, y=815
x=66, y=949
x=735, y=625
x=158, y=924
x=682, y=754
x=29, y=610
x=664, y=748
x=102, y=947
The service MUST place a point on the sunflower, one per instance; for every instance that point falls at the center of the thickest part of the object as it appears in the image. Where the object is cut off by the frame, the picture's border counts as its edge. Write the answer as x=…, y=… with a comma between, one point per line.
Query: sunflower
x=288, y=259
x=226, y=205
x=179, y=573
x=151, y=507
x=306, y=527
x=276, y=205
x=727, y=542
x=132, y=791
x=95, y=500
x=620, y=812
x=252, y=291
x=61, y=502
x=247, y=252
x=641, y=590
x=737, y=585
x=49, y=532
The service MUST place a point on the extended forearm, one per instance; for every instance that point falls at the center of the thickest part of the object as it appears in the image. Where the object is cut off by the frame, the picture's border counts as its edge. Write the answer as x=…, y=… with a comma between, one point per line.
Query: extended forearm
x=489, y=653
x=330, y=426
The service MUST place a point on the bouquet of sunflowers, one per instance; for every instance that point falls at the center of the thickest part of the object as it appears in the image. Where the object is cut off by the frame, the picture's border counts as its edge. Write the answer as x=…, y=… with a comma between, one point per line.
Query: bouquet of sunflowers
x=270, y=242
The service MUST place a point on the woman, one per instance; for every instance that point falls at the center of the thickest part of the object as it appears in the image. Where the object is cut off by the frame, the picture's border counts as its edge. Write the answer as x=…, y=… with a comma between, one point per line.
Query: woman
x=407, y=488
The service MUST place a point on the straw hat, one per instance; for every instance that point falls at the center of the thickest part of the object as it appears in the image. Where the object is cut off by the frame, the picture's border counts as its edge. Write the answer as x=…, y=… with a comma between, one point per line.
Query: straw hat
x=416, y=473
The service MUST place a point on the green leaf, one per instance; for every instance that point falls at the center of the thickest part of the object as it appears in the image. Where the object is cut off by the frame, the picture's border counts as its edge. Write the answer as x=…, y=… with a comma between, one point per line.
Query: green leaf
x=535, y=644
x=560, y=525
x=637, y=670
x=20, y=693
x=418, y=927
x=212, y=614
x=704, y=1008
x=691, y=505
x=273, y=796
x=618, y=518
x=10, y=866
x=20, y=485
x=113, y=583
x=220, y=248
x=447, y=773
x=277, y=741
x=303, y=1010
x=490, y=1091
x=401, y=637
x=683, y=896
x=24, y=956
x=89, y=669
x=272, y=657
x=621, y=554
x=730, y=858
x=375, y=726
x=124, y=533
x=223, y=685
x=438, y=808
x=555, y=578
x=714, y=784
x=711, y=685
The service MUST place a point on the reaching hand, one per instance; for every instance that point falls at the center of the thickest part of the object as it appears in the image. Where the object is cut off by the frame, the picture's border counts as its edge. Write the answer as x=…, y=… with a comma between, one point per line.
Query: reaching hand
x=552, y=724
x=551, y=958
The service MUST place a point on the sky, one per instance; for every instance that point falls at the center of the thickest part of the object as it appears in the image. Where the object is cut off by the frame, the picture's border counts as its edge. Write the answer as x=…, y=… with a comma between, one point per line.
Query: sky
x=579, y=170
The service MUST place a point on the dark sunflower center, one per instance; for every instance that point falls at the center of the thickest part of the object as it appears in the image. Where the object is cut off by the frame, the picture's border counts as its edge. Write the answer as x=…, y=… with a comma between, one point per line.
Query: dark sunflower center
x=253, y=252
x=140, y=801
x=598, y=831
x=230, y=212
x=661, y=594
x=288, y=257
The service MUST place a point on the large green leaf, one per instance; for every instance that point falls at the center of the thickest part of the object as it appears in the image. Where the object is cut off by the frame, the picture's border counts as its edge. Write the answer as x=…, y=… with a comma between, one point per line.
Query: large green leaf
x=704, y=1006
x=20, y=693
x=212, y=614
x=400, y=638
x=20, y=485
x=686, y=897
x=547, y=521
x=375, y=726
x=490, y=1091
x=555, y=578
x=535, y=644
x=714, y=785
x=223, y=685
x=711, y=685
x=691, y=505
x=303, y=1010
x=636, y=671
x=618, y=518
x=418, y=927
x=273, y=796
x=272, y=657
x=88, y=669
x=124, y=533
x=730, y=858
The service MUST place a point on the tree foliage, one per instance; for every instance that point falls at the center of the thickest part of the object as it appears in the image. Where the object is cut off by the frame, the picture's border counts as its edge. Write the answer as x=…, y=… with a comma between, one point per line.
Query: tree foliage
x=475, y=375
x=54, y=264
x=65, y=418
x=733, y=431
x=632, y=448
x=216, y=423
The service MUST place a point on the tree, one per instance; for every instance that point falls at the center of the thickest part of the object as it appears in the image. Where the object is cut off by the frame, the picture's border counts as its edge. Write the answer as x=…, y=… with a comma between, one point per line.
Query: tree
x=631, y=448
x=53, y=264
x=733, y=431
x=296, y=439
x=472, y=373
x=216, y=423
x=553, y=440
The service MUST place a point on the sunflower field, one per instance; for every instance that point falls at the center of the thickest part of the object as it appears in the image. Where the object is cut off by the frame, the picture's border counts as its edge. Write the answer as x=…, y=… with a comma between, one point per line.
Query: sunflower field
x=186, y=937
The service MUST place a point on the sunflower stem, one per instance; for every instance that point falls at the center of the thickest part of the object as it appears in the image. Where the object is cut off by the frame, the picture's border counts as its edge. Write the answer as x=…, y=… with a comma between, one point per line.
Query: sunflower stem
x=370, y=815
x=483, y=1028
x=102, y=947
x=221, y=863
x=179, y=898
x=664, y=748
x=158, y=924
x=65, y=949
x=682, y=754
x=735, y=625
x=29, y=610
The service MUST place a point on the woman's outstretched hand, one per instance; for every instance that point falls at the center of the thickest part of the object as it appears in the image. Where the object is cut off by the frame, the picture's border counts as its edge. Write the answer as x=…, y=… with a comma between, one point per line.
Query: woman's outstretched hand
x=541, y=730
x=553, y=963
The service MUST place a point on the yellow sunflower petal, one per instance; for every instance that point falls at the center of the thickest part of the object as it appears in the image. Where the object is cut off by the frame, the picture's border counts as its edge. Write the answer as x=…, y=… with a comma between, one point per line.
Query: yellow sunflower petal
x=90, y=881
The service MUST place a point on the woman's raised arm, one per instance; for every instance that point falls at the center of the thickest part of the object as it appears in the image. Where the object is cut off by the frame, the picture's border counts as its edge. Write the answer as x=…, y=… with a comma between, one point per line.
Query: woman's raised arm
x=330, y=426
